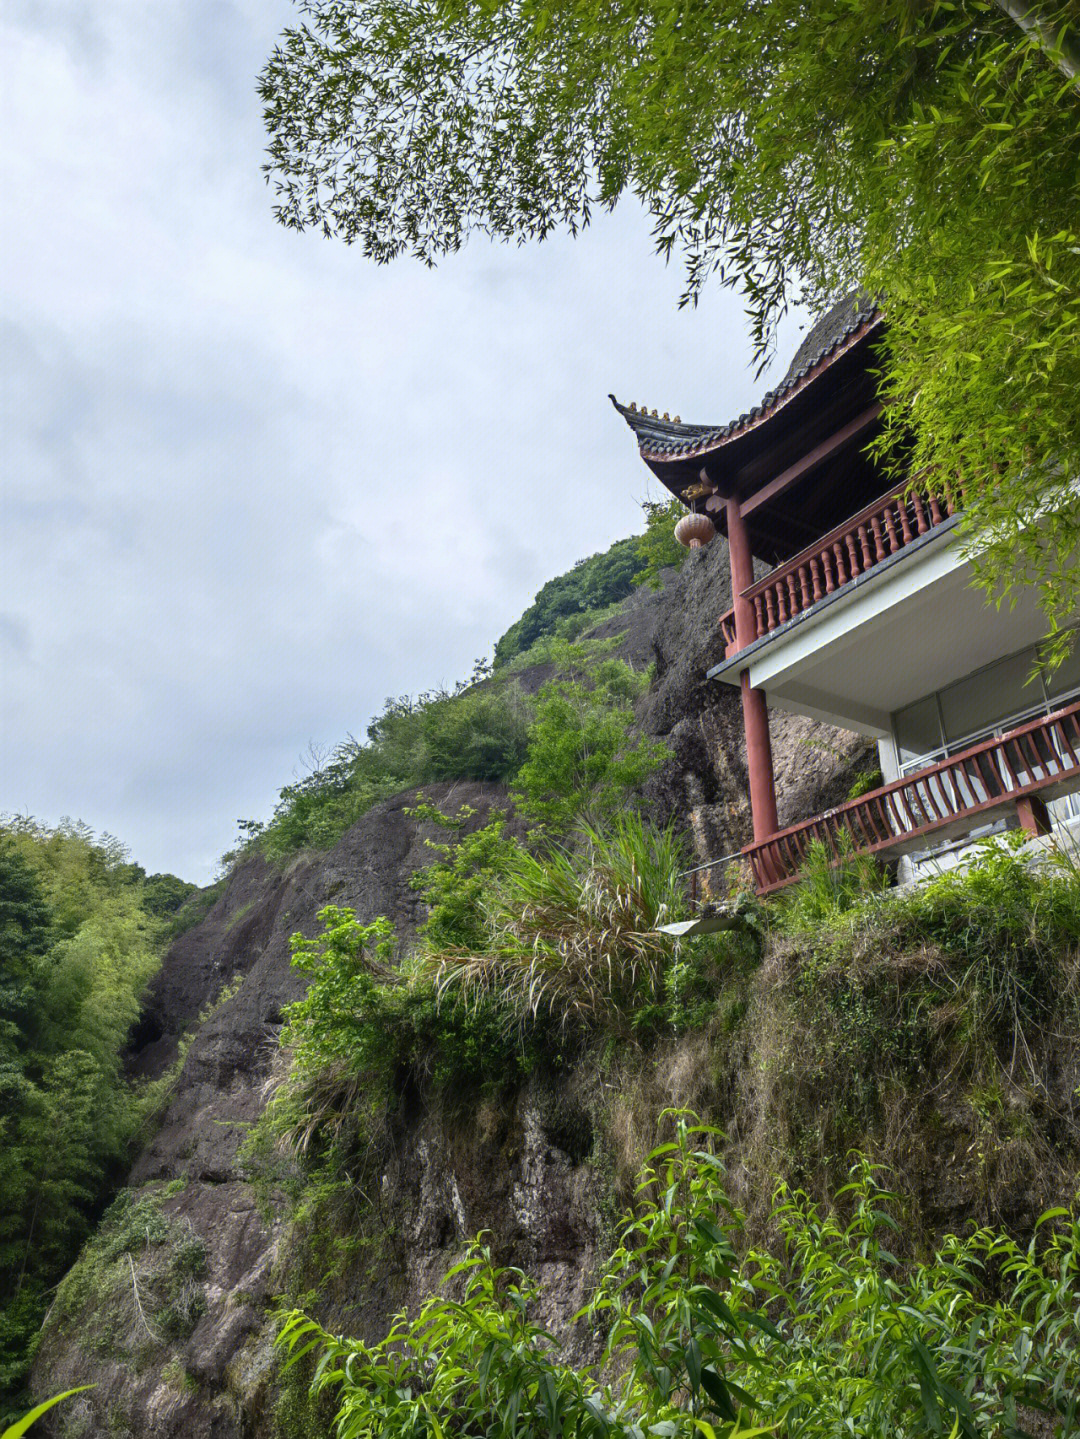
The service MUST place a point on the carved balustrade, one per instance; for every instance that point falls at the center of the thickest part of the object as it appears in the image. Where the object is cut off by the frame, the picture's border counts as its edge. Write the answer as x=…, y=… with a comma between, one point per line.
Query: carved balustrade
x=883, y=529
x=1031, y=763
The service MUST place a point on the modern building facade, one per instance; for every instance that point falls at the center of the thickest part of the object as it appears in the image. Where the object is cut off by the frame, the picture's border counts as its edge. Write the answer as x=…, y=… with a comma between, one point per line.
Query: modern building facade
x=852, y=603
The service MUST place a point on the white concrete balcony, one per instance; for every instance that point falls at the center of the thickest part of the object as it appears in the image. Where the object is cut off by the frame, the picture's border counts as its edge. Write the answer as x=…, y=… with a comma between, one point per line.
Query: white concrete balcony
x=872, y=616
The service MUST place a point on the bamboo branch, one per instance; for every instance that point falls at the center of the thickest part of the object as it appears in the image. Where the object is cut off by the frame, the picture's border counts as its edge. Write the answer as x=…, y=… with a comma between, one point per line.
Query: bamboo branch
x=1060, y=45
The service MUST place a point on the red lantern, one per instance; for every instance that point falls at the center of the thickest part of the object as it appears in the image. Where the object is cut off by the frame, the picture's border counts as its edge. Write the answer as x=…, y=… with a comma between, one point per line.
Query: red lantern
x=694, y=531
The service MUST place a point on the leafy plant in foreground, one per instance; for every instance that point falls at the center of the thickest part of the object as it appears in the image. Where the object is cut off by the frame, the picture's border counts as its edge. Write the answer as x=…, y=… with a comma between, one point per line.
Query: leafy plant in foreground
x=827, y=1336
x=19, y=1428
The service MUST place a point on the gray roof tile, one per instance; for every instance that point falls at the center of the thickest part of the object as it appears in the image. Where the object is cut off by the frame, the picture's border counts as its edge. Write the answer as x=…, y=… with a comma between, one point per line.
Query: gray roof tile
x=663, y=438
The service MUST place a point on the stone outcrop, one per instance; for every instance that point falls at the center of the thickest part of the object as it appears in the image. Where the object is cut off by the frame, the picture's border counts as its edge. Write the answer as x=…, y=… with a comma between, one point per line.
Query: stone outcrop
x=704, y=786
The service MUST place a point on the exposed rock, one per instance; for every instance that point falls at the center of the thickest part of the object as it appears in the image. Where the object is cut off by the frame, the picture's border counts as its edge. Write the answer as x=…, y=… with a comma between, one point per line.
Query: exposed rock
x=705, y=785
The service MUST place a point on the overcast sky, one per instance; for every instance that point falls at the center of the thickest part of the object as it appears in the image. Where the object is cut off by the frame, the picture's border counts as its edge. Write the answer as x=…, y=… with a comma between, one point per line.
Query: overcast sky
x=252, y=482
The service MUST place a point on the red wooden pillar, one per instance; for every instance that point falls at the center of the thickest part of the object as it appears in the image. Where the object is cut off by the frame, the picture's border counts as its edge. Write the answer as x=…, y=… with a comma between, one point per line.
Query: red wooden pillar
x=1033, y=815
x=759, y=763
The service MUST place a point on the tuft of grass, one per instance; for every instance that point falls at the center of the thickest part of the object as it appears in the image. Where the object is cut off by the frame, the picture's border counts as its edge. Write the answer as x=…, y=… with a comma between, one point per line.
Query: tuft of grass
x=572, y=933
x=830, y=886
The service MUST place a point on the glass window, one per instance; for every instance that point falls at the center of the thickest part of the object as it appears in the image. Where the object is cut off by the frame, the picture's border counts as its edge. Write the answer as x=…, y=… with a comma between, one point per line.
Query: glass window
x=994, y=694
x=918, y=730
x=1066, y=678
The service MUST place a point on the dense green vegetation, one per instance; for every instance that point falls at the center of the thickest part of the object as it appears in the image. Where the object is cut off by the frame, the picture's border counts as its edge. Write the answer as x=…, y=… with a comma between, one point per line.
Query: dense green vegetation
x=657, y=547
x=832, y=1020
x=826, y=1335
x=566, y=604
x=79, y=940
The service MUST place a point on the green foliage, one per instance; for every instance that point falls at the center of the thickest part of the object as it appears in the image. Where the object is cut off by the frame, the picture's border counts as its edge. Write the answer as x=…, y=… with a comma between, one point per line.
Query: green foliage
x=1007, y=924
x=864, y=782
x=454, y=887
x=928, y=1352
x=164, y=894
x=138, y=1284
x=478, y=1365
x=924, y=153
x=578, y=756
x=577, y=596
x=827, y=1336
x=193, y=909
x=571, y=933
x=658, y=549
x=472, y=732
x=24, y=915
x=574, y=757
x=947, y=1009
x=363, y=1027
x=78, y=951
x=582, y=763
x=19, y=1428
x=830, y=885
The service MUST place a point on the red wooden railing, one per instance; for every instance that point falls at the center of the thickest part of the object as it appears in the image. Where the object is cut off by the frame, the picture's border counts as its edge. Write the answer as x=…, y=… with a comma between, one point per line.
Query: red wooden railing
x=727, y=629
x=951, y=798
x=882, y=529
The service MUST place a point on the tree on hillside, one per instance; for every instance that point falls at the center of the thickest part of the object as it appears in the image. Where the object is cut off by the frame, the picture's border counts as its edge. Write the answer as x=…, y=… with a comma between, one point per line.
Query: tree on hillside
x=927, y=150
x=77, y=950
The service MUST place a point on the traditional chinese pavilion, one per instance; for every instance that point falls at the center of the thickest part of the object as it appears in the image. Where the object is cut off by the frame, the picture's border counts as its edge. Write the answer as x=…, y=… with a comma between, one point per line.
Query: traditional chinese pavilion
x=853, y=604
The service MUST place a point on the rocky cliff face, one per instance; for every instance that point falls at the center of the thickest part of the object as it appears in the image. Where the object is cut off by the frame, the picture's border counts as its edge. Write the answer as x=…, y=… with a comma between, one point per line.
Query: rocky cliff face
x=523, y=1169
x=705, y=785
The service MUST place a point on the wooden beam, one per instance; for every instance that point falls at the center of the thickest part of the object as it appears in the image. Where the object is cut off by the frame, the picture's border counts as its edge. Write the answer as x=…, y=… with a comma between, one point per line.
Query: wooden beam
x=810, y=461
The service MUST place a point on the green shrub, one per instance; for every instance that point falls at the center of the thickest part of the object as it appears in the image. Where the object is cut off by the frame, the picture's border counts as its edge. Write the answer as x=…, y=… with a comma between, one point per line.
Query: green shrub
x=456, y=886
x=1008, y=924
x=583, y=765
x=948, y=1009
x=864, y=782
x=828, y=886
x=658, y=549
x=364, y=1028
x=571, y=933
x=163, y=894
x=465, y=733
x=827, y=1336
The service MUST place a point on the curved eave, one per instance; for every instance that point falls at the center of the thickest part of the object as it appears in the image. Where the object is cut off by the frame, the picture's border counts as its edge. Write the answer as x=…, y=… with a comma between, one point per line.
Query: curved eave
x=664, y=442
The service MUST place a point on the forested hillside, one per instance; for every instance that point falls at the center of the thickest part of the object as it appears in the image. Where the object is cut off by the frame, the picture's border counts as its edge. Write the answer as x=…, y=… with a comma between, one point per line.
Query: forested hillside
x=82, y=930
